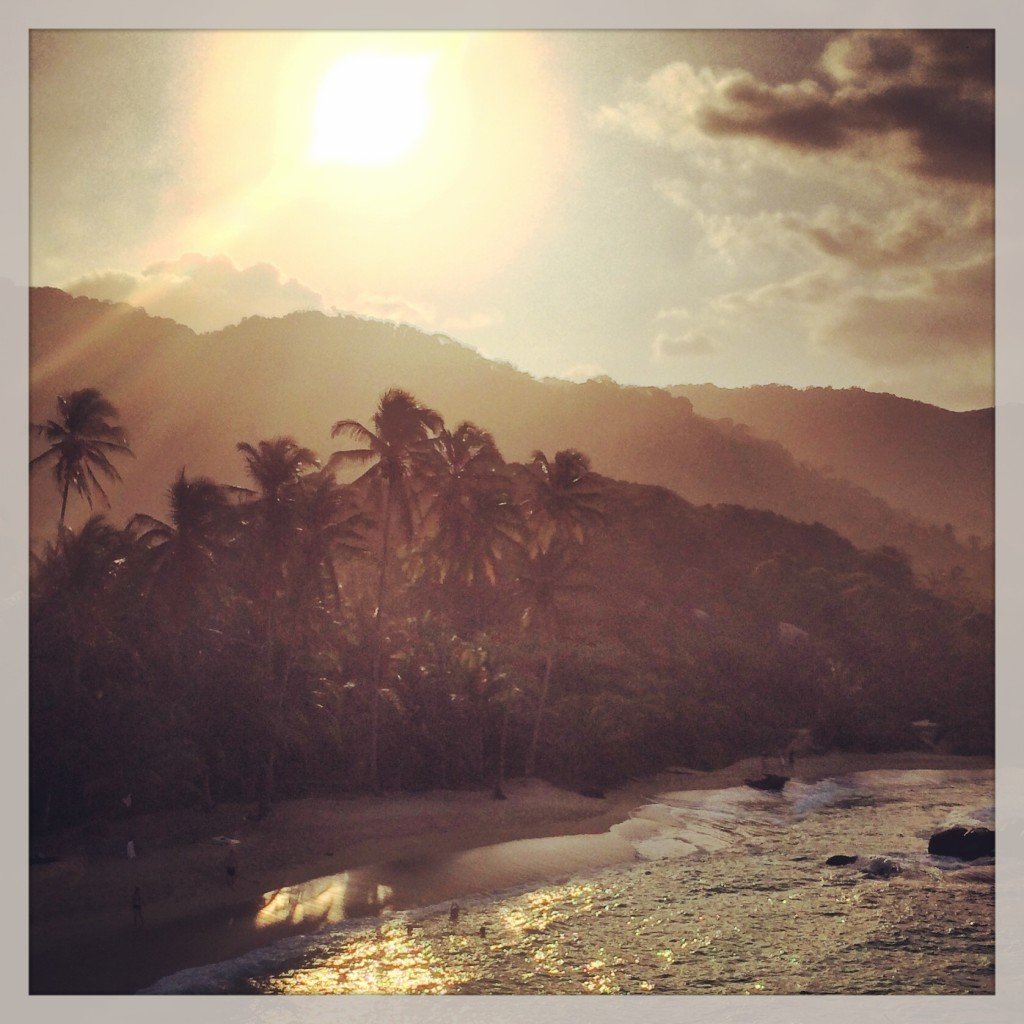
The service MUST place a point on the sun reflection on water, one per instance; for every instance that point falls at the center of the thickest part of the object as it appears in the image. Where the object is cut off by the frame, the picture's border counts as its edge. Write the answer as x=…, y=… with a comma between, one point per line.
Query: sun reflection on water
x=723, y=925
x=393, y=963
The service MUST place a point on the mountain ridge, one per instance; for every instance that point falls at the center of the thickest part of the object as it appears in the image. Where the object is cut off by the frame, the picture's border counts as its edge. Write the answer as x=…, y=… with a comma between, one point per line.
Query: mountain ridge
x=937, y=464
x=188, y=398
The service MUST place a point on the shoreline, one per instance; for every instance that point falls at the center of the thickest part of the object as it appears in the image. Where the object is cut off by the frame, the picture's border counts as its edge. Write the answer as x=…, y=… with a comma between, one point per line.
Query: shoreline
x=197, y=919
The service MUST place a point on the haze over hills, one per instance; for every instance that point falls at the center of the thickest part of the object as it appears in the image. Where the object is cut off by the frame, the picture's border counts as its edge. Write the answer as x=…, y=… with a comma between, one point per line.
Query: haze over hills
x=187, y=399
x=936, y=464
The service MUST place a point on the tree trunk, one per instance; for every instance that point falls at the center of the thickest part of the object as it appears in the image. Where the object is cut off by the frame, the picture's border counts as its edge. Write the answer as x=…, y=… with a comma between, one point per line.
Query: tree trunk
x=499, y=782
x=64, y=504
x=207, y=795
x=531, y=757
x=265, y=784
x=378, y=653
x=480, y=754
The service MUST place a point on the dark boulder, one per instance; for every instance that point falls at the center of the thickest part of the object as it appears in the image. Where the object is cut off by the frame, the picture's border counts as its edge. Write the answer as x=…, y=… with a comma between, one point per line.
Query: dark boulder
x=881, y=867
x=768, y=783
x=963, y=843
x=840, y=859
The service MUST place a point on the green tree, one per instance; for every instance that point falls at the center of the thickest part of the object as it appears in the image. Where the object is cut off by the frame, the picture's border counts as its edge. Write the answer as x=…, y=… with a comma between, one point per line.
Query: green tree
x=565, y=498
x=73, y=581
x=276, y=467
x=563, y=503
x=187, y=580
x=398, y=447
x=329, y=525
x=80, y=443
x=471, y=521
x=547, y=581
x=185, y=554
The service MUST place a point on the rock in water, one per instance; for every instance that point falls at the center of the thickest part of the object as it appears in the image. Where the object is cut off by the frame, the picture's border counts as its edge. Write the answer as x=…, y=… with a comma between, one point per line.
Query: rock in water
x=840, y=859
x=964, y=843
x=881, y=867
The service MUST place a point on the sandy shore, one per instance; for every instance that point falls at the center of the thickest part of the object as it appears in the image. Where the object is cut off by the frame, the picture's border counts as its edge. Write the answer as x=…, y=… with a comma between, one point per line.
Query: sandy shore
x=81, y=932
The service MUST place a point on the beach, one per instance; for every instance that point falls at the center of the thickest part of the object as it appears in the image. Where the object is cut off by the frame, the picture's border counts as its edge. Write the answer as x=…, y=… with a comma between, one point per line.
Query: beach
x=327, y=863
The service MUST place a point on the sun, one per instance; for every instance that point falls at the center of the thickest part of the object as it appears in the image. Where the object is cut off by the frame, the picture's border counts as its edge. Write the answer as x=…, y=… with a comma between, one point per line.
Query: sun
x=372, y=108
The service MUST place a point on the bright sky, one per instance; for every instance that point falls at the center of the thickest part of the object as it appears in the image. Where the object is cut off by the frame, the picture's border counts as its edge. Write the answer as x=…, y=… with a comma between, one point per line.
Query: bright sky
x=808, y=208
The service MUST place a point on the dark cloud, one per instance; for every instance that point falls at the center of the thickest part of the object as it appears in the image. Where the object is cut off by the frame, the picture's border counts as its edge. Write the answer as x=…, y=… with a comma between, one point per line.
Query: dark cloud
x=923, y=101
x=797, y=116
x=964, y=59
x=954, y=136
x=886, y=55
x=204, y=293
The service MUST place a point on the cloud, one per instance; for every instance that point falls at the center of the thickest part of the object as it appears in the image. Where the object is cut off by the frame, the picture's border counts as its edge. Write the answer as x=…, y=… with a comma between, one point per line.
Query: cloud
x=210, y=292
x=689, y=343
x=948, y=311
x=911, y=235
x=422, y=314
x=204, y=293
x=901, y=236
x=814, y=288
x=920, y=102
x=918, y=316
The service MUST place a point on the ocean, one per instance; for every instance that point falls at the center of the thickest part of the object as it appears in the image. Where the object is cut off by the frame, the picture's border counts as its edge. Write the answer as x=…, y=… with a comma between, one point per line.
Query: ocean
x=721, y=892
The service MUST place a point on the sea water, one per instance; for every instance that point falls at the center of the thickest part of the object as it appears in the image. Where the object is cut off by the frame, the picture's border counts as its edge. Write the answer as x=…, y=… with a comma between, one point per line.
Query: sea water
x=715, y=891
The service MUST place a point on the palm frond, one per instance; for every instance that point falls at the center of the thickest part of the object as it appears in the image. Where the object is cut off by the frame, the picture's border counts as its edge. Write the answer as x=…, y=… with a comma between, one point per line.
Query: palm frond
x=354, y=429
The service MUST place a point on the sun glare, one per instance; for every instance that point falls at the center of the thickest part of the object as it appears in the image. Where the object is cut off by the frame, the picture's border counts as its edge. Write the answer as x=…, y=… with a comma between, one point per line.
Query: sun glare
x=372, y=108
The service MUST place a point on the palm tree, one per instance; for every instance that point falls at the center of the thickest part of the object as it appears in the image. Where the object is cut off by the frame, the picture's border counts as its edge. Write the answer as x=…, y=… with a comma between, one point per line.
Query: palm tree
x=185, y=560
x=328, y=522
x=276, y=467
x=74, y=599
x=473, y=519
x=80, y=441
x=548, y=578
x=565, y=499
x=74, y=571
x=184, y=553
x=397, y=447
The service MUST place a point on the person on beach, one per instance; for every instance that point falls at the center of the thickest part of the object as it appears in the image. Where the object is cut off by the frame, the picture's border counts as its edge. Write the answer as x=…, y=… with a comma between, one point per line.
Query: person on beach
x=137, y=907
x=231, y=865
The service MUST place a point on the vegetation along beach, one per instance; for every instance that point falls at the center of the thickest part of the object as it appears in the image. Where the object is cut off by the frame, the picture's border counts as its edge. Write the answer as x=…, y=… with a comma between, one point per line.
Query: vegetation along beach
x=511, y=513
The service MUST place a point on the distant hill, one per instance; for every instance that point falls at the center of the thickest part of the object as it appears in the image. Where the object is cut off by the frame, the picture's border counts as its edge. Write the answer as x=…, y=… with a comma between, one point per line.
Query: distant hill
x=935, y=464
x=187, y=399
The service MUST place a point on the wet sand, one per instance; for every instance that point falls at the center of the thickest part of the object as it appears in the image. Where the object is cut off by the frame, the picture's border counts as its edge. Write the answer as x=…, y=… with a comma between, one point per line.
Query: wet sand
x=82, y=938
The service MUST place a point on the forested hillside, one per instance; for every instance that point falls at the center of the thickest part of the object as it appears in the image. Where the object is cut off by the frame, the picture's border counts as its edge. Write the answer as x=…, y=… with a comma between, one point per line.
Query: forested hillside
x=936, y=464
x=187, y=398
x=452, y=619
